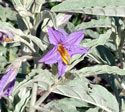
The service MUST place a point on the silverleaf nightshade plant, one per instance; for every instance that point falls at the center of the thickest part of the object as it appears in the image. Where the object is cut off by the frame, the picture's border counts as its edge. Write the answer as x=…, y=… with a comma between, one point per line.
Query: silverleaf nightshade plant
x=65, y=46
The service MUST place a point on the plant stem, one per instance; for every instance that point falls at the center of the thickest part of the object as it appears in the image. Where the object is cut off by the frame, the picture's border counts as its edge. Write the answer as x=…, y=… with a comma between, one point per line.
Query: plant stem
x=33, y=97
x=46, y=94
x=43, y=97
x=120, y=57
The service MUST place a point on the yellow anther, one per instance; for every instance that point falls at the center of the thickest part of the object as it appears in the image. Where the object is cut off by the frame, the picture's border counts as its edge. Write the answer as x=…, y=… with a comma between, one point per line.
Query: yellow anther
x=7, y=40
x=64, y=54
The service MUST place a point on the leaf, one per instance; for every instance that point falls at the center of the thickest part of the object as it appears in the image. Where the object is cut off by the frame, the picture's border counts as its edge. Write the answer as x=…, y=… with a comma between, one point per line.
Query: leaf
x=13, y=54
x=17, y=3
x=22, y=103
x=93, y=110
x=91, y=33
x=66, y=105
x=2, y=59
x=103, y=55
x=111, y=80
x=7, y=13
x=3, y=62
x=21, y=9
x=70, y=27
x=123, y=105
x=94, y=7
x=99, y=41
x=95, y=95
x=99, y=69
x=42, y=15
x=37, y=41
x=43, y=77
x=94, y=23
x=27, y=3
x=37, y=5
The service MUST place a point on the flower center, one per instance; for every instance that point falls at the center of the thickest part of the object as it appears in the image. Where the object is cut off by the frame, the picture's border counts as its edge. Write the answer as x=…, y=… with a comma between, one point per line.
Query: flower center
x=64, y=54
x=7, y=40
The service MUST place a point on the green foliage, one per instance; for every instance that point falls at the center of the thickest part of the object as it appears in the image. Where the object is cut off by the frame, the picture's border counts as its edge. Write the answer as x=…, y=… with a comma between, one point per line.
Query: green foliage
x=66, y=105
x=94, y=7
x=95, y=95
x=38, y=88
x=7, y=13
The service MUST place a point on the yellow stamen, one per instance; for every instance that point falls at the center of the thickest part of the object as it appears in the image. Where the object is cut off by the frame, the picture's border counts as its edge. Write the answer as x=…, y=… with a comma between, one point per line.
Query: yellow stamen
x=7, y=40
x=64, y=54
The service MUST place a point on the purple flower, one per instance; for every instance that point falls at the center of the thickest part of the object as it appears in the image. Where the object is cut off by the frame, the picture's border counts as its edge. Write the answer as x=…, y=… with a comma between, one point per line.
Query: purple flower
x=8, y=80
x=6, y=36
x=65, y=46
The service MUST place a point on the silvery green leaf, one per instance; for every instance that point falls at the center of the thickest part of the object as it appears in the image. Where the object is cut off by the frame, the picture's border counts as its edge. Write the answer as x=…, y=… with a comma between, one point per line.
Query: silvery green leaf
x=13, y=54
x=17, y=3
x=7, y=13
x=37, y=5
x=103, y=55
x=22, y=103
x=94, y=7
x=3, y=50
x=21, y=9
x=42, y=15
x=111, y=80
x=3, y=62
x=27, y=82
x=66, y=105
x=70, y=27
x=99, y=69
x=103, y=38
x=37, y=41
x=4, y=26
x=27, y=3
x=111, y=101
x=95, y=94
x=2, y=59
x=110, y=44
x=92, y=33
x=94, y=24
x=123, y=105
x=43, y=77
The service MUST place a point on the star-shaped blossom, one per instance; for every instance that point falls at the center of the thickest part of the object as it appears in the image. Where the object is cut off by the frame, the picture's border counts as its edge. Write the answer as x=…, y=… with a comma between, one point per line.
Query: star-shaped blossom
x=65, y=46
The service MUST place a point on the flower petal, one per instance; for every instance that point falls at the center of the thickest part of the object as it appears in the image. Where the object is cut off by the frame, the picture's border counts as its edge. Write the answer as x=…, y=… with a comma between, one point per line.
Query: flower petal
x=61, y=68
x=76, y=49
x=7, y=83
x=64, y=33
x=51, y=57
x=55, y=36
x=74, y=38
x=8, y=89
